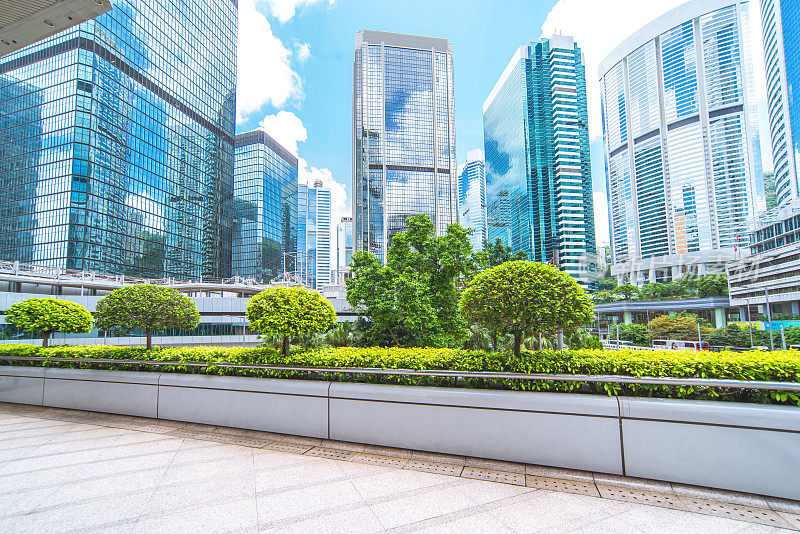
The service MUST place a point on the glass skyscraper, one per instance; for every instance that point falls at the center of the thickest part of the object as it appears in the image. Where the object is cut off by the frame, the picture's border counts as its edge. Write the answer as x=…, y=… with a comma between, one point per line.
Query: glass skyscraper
x=404, y=156
x=683, y=165
x=116, y=142
x=781, y=24
x=265, y=207
x=472, y=197
x=314, y=212
x=538, y=172
x=344, y=241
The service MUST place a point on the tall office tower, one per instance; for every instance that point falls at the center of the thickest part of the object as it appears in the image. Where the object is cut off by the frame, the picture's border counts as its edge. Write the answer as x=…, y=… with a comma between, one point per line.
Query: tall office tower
x=265, y=191
x=131, y=171
x=781, y=24
x=538, y=172
x=683, y=164
x=404, y=153
x=344, y=241
x=472, y=197
x=314, y=209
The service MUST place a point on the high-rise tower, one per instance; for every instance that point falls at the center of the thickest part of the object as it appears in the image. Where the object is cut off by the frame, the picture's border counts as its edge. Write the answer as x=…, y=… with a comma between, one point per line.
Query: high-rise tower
x=131, y=171
x=538, y=171
x=472, y=197
x=781, y=24
x=404, y=156
x=683, y=164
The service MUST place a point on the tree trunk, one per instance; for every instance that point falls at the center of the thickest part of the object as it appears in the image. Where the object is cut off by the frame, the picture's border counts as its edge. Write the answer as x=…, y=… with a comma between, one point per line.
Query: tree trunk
x=560, y=339
x=45, y=338
x=286, y=347
x=149, y=334
x=517, y=343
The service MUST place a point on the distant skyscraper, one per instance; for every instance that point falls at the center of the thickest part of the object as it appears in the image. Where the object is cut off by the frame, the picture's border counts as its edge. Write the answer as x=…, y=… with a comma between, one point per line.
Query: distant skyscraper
x=265, y=190
x=683, y=166
x=781, y=24
x=314, y=208
x=538, y=173
x=404, y=156
x=472, y=197
x=344, y=241
x=131, y=171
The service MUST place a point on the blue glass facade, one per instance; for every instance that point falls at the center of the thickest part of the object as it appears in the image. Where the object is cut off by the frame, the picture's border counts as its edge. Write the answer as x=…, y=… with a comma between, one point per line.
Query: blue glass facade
x=472, y=198
x=403, y=136
x=265, y=213
x=781, y=25
x=536, y=143
x=116, y=143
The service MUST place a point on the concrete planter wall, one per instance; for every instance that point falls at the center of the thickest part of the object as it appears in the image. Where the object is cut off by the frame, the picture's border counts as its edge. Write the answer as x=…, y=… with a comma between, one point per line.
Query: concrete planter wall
x=742, y=447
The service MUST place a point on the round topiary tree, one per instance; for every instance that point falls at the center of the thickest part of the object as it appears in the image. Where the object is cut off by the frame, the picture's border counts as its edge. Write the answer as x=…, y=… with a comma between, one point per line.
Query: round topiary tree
x=288, y=312
x=146, y=307
x=46, y=316
x=525, y=297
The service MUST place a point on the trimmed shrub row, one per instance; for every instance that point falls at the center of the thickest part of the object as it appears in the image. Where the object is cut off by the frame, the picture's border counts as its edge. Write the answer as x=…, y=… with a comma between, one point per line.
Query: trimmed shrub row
x=780, y=366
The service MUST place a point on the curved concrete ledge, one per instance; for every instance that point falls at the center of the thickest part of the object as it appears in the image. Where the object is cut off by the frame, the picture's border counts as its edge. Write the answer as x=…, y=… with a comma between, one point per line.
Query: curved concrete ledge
x=729, y=446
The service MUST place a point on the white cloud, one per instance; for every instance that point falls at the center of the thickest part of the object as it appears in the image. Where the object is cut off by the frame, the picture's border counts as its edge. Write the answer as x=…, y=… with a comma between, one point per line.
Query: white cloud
x=302, y=52
x=286, y=128
x=283, y=10
x=264, y=71
x=600, y=218
x=339, y=208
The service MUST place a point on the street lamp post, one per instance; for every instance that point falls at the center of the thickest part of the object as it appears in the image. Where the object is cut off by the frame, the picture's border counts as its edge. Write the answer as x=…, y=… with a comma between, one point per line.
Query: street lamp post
x=769, y=319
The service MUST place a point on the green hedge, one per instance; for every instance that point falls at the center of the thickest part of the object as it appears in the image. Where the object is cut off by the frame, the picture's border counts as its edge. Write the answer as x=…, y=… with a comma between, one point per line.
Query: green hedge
x=755, y=365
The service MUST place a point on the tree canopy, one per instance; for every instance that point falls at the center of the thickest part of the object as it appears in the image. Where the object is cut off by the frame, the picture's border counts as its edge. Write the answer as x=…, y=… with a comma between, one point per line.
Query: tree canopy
x=146, y=307
x=522, y=297
x=712, y=285
x=46, y=316
x=681, y=326
x=626, y=292
x=494, y=254
x=289, y=312
x=413, y=299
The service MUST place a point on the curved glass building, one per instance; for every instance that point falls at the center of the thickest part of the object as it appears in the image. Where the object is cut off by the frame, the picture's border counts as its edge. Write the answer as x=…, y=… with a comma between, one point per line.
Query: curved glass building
x=404, y=139
x=472, y=197
x=683, y=165
x=117, y=141
x=781, y=24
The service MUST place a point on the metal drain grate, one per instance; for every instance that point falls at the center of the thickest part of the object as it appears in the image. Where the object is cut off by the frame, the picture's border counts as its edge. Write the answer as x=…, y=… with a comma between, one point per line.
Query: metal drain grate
x=433, y=467
x=383, y=461
x=504, y=477
x=155, y=429
x=736, y=511
x=642, y=497
x=239, y=440
x=287, y=447
x=191, y=434
x=567, y=486
x=333, y=454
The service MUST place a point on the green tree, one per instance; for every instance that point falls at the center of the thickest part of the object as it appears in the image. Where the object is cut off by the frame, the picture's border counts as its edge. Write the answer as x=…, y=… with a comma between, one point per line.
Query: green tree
x=46, y=316
x=496, y=253
x=289, y=312
x=712, y=285
x=413, y=299
x=681, y=326
x=770, y=190
x=607, y=283
x=148, y=308
x=626, y=292
x=602, y=297
x=636, y=333
x=662, y=291
x=522, y=297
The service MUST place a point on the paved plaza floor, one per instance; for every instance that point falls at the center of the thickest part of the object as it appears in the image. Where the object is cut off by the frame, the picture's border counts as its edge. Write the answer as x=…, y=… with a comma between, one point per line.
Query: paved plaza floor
x=66, y=471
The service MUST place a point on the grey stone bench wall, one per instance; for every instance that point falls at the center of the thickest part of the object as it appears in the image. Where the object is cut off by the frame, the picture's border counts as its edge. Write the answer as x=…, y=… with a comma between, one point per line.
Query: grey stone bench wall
x=733, y=446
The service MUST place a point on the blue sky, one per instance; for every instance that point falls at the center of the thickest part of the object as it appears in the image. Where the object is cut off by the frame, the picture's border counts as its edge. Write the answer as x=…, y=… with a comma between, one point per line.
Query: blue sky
x=296, y=56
